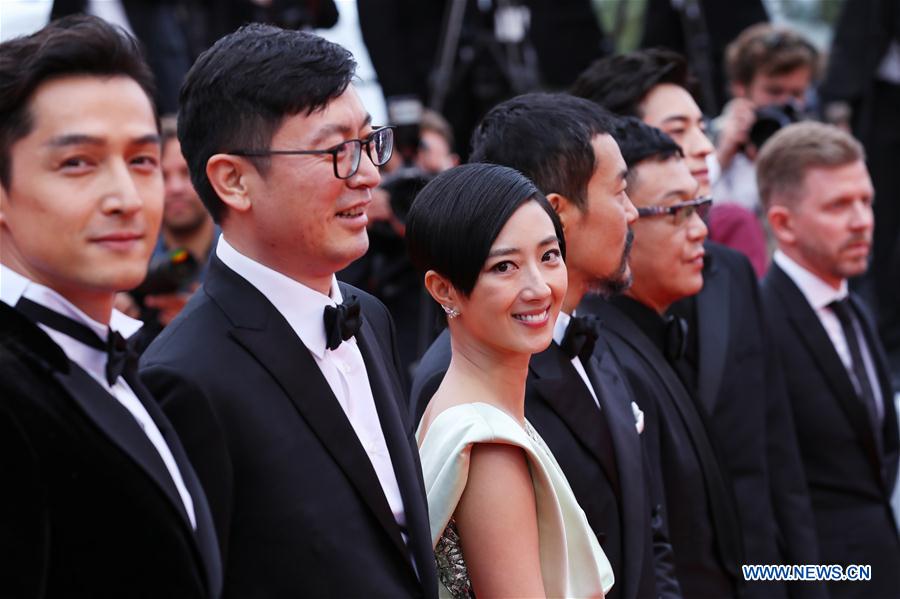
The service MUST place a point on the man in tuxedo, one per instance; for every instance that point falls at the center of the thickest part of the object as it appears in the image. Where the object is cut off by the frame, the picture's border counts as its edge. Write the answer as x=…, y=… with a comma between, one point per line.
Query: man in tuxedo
x=578, y=401
x=283, y=383
x=727, y=366
x=818, y=196
x=667, y=263
x=99, y=498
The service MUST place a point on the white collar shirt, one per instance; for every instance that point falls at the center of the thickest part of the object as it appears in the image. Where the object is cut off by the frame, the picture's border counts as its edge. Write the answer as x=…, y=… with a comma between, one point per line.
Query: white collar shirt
x=14, y=286
x=559, y=333
x=343, y=368
x=820, y=294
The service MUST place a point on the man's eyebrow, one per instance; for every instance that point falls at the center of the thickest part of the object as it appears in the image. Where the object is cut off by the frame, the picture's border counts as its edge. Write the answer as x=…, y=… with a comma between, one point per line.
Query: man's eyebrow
x=680, y=194
x=78, y=139
x=150, y=138
x=676, y=117
x=332, y=128
x=75, y=139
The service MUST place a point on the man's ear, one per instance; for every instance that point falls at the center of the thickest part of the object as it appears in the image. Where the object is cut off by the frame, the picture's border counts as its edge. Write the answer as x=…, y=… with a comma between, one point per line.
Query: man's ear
x=442, y=290
x=567, y=211
x=781, y=220
x=229, y=177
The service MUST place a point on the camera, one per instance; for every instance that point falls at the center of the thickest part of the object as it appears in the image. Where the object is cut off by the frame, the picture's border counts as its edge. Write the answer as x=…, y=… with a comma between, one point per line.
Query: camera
x=167, y=274
x=769, y=119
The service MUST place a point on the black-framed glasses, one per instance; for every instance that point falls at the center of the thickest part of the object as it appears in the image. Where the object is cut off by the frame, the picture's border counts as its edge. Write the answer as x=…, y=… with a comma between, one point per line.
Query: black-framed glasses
x=682, y=211
x=346, y=155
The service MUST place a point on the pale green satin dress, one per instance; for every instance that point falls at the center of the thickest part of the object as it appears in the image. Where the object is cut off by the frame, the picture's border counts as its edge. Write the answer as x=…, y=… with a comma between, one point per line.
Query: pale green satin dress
x=572, y=561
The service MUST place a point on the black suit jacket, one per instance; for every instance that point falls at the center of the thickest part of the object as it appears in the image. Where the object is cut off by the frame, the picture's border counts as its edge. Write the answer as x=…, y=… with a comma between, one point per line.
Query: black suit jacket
x=699, y=505
x=850, y=468
x=599, y=452
x=739, y=387
x=88, y=508
x=297, y=504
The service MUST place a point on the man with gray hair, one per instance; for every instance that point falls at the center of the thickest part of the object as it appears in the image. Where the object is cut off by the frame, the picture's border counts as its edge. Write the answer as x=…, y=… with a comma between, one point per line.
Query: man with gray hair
x=818, y=196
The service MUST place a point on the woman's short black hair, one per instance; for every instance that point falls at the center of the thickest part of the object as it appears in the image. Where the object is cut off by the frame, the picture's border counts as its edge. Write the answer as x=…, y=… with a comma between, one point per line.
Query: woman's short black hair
x=455, y=219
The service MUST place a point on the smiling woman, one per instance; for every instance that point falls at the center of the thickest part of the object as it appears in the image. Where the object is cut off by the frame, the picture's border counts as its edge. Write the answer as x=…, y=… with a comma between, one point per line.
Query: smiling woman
x=504, y=520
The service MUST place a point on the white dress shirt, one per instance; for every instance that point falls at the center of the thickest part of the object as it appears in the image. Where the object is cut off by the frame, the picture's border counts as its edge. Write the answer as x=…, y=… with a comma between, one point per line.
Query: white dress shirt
x=559, y=333
x=343, y=368
x=819, y=294
x=14, y=286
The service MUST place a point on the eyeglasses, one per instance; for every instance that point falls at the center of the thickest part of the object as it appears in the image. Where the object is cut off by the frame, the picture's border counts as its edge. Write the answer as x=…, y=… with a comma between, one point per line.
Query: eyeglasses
x=682, y=212
x=345, y=156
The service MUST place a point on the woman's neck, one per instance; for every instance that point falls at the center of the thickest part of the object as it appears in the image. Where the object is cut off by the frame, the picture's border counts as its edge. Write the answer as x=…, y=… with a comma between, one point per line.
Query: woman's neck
x=494, y=377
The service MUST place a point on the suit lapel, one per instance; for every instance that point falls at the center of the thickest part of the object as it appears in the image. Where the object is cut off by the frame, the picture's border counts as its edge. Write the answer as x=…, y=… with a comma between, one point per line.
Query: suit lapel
x=713, y=333
x=401, y=447
x=261, y=330
x=720, y=495
x=615, y=401
x=205, y=533
x=560, y=386
x=114, y=420
x=809, y=329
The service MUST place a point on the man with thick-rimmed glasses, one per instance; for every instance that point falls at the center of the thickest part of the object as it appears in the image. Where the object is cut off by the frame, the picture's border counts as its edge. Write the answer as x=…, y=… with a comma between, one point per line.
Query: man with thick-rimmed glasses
x=282, y=382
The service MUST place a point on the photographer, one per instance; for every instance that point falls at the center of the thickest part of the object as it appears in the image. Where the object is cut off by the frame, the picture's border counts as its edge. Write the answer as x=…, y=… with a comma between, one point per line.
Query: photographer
x=770, y=70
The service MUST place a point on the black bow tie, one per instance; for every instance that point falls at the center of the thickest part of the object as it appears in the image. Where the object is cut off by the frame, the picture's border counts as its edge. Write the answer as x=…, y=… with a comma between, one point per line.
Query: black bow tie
x=580, y=337
x=676, y=337
x=120, y=356
x=341, y=322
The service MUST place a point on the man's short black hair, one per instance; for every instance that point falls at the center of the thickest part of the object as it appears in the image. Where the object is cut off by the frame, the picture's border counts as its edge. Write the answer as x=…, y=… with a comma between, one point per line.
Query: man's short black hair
x=240, y=90
x=456, y=217
x=547, y=137
x=639, y=141
x=619, y=83
x=71, y=46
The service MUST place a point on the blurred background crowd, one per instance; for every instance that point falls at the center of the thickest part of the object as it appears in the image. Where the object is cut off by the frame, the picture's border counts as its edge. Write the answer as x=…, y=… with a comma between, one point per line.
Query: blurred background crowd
x=433, y=69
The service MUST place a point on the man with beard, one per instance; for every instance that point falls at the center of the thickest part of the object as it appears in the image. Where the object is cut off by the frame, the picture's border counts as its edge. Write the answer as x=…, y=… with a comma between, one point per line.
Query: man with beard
x=576, y=397
x=816, y=189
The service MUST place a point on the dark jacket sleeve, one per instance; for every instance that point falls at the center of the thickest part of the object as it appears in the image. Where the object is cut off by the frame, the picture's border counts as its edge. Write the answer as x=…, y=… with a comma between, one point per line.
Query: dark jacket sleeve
x=24, y=527
x=667, y=586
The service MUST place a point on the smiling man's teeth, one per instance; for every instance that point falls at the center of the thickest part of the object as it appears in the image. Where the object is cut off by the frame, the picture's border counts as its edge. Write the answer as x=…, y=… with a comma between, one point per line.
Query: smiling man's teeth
x=531, y=317
x=351, y=213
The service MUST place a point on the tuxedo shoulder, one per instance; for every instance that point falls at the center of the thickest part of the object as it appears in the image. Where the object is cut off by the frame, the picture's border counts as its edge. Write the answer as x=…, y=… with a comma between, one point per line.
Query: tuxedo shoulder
x=23, y=341
x=730, y=260
x=193, y=334
x=369, y=303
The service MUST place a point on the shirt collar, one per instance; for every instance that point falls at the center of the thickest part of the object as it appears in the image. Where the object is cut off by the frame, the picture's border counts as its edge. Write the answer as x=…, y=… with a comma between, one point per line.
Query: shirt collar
x=817, y=292
x=559, y=329
x=301, y=306
x=14, y=286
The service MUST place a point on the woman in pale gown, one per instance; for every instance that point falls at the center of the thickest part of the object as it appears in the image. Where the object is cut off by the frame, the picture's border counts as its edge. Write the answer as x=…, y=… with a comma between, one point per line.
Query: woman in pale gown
x=504, y=520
